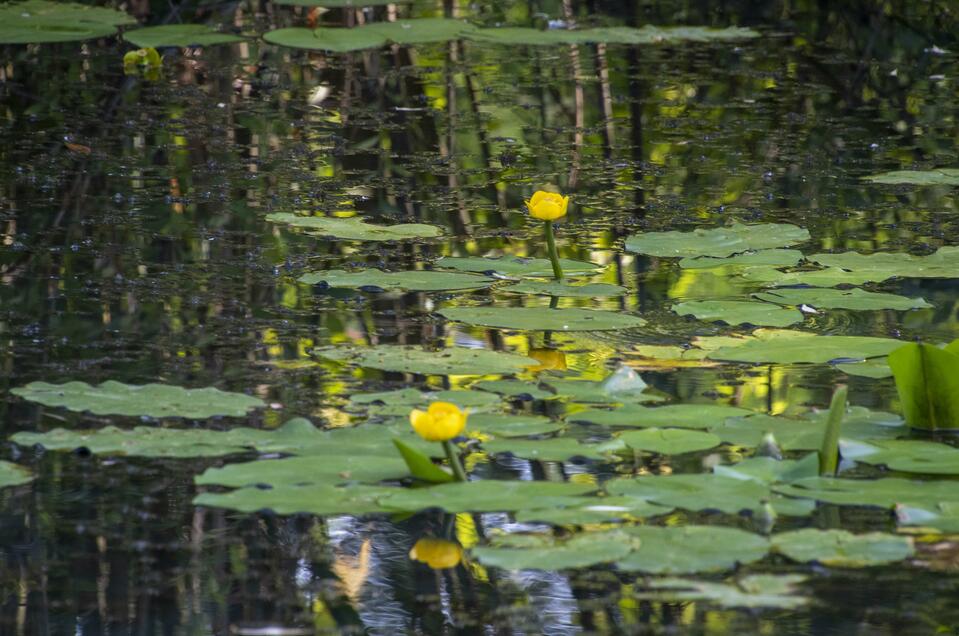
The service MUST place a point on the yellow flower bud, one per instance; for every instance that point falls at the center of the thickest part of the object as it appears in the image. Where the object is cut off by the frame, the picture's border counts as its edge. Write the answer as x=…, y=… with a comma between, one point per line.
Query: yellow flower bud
x=439, y=554
x=442, y=421
x=549, y=360
x=547, y=206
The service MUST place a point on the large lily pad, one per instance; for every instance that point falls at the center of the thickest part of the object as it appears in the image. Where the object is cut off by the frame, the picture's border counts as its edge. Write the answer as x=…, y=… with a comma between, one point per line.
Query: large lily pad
x=689, y=549
x=178, y=35
x=755, y=591
x=332, y=469
x=542, y=319
x=842, y=299
x=927, y=379
x=144, y=441
x=884, y=493
x=760, y=258
x=908, y=456
x=407, y=359
x=936, y=176
x=487, y=496
x=609, y=35
x=594, y=510
x=555, y=288
x=826, y=277
x=767, y=470
x=700, y=416
x=740, y=312
x=542, y=553
x=44, y=21
x=839, y=548
x=337, y=40
x=511, y=425
x=152, y=400
x=355, y=228
x=801, y=347
x=558, y=449
x=879, y=266
x=717, y=242
x=422, y=30
x=669, y=441
x=515, y=267
x=378, y=280
x=701, y=491
x=311, y=499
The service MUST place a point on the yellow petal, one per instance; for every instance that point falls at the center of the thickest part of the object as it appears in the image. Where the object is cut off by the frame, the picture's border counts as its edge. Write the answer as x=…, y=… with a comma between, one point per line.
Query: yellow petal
x=537, y=197
x=547, y=210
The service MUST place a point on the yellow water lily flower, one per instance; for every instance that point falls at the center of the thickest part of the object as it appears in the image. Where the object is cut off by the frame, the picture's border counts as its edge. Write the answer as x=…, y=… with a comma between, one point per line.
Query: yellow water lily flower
x=547, y=206
x=440, y=422
x=439, y=554
x=549, y=360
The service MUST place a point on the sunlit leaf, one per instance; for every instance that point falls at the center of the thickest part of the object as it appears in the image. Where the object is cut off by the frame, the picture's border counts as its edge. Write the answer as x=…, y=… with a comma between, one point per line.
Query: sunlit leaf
x=943, y=263
x=420, y=464
x=740, y=312
x=717, y=242
x=554, y=450
x=522, y=425
x=805, y=348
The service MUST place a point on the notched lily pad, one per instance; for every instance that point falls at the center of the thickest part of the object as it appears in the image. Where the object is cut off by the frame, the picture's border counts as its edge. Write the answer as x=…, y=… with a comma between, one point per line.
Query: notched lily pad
x=542, y=319
x=44, y=21
x=378, y=280
x=151, y=400
x=408, y=359
x=717, y=242
x=355, y=228
x=487, y=496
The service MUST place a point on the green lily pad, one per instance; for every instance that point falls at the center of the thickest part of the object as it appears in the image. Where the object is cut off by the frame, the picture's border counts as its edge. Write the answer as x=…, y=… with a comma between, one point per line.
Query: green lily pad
x=326, y=39
x=558, y=449
x=701, y=416
x=701, y=491
x=44, y=21
x=13, y=475
x=767, y=470
x=690, y=549
x=669, y=441
x=378, y=280
x=144, y=441
x=908, y=456
x=515, y=389
x=542, y=319
x=936, y=176
x=579, y=551
x=487, y=496
x=717, y=242
x=311, y=499
x=778, y=591
x=604, y=510
x=408, y=359
x=943, y=517
x=827, y=277
x=801, y=347
x=883, y=493
x=355, y=228
x=740, y=312
x=178, y=35
x=927, y=379
x=151, y=400
x=876, y=368
x=807, y=433
x=331, y=470
x=839, y=548
x=515, y=267
x=842, y=299
x=554, y=288
x=590, y=392
x=880, y=266
x=511, y=425
x=768, y=258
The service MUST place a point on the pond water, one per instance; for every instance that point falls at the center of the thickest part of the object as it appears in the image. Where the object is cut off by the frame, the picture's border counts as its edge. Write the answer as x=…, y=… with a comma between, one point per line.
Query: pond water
x=135, y=247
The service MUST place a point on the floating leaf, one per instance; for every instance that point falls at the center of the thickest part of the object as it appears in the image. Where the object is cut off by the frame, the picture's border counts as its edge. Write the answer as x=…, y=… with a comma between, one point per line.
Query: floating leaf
x=558, y=449
x=908, y=456
x=689, y=549
x=143, y=441
x=768, y=258
x=828, y=277
x=693, y=492
x=740, y=312
x=511, y=425
x=943, y=263
x=718, y=242
x=515, y=389
x=44, y=21
x=407, y=359
x=401, y=401
x=331, y=470
x=542, y=319
x=152, y=400
x=674, y=415
x=355, y=228
x=336, y=40
x=13, y=475
x=884, y=493
x=839, y=548
x=182, y=35
x=754, y=591
x=842, y=299
x=313, y=499
x=876, y=368
x=937, y=176
x=669, y=441
x=377, y=280
x=487, y=496
x=512, y=266
x=555, y=288
x=927, y=379
x=805, y=348
x=579, y=551
x=767, y=470
x=604, y=510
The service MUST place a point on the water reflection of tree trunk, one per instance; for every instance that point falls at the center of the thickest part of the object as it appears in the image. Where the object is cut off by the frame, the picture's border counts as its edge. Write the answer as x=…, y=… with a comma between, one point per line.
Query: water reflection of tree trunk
x=578, y=101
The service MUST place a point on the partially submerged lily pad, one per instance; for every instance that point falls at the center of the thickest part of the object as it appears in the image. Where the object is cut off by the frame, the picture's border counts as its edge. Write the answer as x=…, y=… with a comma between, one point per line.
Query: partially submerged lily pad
x=909, y=456
x=880, y=266
x=515, y=389
x=884, y=493
x=839, y=548
x=378, y=280
x=516, y=267
x=690, y=549
x=13, y=475
x=754, y=591
x=542, y=319
x=717, y=242
x=332, y=469
x=767, y=258
x=700, y=491
x=310, y=499
x=800, y=347
x=355, y=228
x=408, y=359
x=152, y=400
x=842, y=299
x=594, y=510
x=669, y=441
x=740, y=312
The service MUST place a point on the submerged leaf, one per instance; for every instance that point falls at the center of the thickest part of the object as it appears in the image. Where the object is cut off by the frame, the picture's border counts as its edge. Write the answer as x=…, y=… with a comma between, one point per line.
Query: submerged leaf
x=842, y=299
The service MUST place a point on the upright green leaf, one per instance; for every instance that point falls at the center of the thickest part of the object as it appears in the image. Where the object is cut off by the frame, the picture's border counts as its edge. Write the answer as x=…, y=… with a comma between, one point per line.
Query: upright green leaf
x=927, y=379
x=829, y=451
x=421, y=466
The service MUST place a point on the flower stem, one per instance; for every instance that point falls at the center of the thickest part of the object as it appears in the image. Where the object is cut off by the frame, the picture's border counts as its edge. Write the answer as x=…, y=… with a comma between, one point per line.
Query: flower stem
x=553, y=254
x=454, y=457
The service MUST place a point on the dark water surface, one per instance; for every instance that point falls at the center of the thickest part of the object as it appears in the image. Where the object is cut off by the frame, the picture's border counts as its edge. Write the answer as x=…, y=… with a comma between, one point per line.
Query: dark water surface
x=148, y=259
